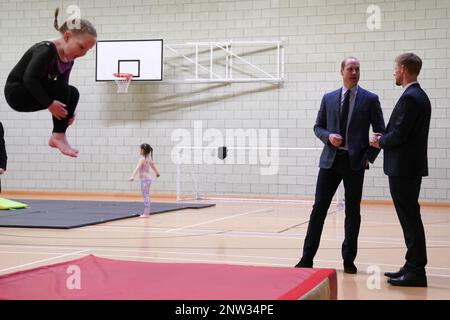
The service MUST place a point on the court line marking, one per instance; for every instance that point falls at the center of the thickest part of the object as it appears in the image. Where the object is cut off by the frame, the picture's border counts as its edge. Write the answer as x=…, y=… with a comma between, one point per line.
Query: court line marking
x=213, y=255
x=45, y=260
x=256, y=234
x=103, y=228
x=294, y=226
x=47, y=246
x=220, y=219
x=166, y=229
x=232, y=262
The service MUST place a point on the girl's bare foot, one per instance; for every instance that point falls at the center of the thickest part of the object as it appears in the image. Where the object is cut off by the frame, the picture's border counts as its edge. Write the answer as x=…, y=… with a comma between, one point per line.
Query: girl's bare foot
x=146, y=214
x=59, y=141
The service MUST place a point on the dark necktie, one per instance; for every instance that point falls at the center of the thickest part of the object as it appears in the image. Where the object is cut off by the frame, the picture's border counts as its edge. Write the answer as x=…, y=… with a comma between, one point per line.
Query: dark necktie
x=344, y=117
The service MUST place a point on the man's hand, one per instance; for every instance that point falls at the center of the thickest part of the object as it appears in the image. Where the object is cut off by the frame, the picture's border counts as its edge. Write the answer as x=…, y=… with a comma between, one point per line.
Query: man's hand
x=375, y=140
x=58, y=109
x=335, y=139
x=2, y=171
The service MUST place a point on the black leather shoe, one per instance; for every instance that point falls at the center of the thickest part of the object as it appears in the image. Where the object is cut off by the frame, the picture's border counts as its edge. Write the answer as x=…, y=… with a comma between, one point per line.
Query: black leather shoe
x=409, y=279
x=350, y=268
x=304, y=264
x=397, y=274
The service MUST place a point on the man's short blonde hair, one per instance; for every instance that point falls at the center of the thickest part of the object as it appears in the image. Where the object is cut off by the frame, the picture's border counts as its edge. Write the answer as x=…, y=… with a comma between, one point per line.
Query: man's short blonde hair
x=411, y=61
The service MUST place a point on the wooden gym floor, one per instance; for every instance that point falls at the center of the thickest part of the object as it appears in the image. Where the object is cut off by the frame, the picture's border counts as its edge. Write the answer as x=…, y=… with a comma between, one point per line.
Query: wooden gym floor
x=248, y=233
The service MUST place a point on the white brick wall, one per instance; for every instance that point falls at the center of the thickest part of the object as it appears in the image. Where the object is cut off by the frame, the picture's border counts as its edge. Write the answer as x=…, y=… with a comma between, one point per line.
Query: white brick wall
x=318, y=34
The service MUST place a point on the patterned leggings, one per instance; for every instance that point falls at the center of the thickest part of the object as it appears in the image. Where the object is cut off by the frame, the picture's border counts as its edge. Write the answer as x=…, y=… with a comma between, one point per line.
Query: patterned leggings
x=145, y=188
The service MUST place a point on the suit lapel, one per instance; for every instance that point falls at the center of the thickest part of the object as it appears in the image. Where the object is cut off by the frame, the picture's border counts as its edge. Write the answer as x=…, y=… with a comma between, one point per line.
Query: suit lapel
x=358, y=100
x=337, y=103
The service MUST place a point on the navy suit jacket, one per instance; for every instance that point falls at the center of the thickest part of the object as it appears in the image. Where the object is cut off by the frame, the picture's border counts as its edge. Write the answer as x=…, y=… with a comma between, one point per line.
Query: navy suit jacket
x=405, y=142
x=366, y=112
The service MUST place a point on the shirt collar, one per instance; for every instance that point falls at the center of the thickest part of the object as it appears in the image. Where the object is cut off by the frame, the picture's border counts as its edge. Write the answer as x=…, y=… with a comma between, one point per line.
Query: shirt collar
x=409, y=85
x=354, y=90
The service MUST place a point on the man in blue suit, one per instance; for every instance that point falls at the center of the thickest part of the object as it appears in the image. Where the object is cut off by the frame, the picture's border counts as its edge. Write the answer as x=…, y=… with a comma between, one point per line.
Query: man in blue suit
x=343, y=123
x=405, y=145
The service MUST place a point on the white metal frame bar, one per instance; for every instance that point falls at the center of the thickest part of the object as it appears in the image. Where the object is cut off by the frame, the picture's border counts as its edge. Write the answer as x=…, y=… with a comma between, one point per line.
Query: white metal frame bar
x=227, y=47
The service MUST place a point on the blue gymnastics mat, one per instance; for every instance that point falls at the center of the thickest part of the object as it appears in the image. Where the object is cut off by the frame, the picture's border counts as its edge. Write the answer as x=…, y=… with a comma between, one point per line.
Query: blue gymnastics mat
x=63, y=214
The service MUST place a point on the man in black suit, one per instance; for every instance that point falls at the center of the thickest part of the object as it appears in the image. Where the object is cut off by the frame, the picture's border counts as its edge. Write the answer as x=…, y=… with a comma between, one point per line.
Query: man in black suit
x=405, y=162
x=343, y=124
x=3, y=157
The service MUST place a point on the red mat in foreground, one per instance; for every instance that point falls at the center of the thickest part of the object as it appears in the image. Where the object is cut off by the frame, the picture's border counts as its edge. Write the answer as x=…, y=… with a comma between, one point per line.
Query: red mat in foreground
x=92, y=277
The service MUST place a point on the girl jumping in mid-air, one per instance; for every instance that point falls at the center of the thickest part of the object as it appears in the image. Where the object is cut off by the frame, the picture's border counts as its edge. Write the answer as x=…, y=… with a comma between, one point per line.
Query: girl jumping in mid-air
x=40, y=80
x=143, y=166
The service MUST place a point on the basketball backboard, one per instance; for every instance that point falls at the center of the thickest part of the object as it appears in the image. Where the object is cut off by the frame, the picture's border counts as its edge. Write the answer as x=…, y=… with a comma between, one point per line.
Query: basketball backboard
x=142, y=58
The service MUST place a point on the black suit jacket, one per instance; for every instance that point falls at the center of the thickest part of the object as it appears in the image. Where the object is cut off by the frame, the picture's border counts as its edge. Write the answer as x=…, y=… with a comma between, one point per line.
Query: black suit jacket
x=366, y=112
x=3, y=156
x=405, y=142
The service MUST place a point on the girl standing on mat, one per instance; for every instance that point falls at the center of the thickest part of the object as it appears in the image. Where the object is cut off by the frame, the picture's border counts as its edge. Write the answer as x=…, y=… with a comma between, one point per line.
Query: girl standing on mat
x=143, y=166
x=40, y=80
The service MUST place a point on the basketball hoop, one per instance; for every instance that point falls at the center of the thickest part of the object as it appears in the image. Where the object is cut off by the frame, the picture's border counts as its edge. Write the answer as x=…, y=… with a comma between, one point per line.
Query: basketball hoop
x=122, y=80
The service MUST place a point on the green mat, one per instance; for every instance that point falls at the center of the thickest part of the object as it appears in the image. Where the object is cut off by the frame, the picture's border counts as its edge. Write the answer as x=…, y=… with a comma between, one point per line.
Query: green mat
x=6, y=204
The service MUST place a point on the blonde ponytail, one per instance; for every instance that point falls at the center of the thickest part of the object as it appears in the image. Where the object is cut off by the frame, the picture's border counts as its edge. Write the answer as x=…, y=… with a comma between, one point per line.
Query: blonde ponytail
x=86, y=27
x=55, y=22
